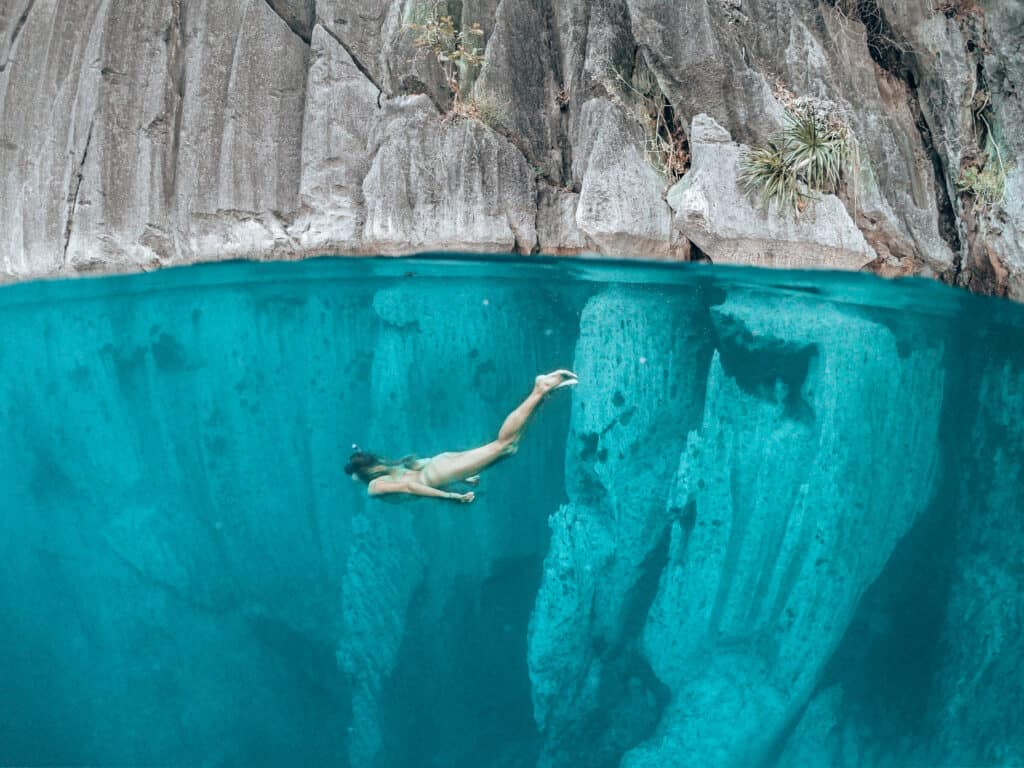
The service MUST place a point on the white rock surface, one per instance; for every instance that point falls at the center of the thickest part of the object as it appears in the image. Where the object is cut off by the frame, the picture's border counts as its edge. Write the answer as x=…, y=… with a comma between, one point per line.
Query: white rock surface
x=134, y=136
x=713, y=211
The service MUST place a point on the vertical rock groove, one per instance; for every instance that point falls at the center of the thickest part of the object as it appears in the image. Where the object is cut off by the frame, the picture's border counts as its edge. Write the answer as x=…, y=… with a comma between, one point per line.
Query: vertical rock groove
x=174, y=95
x=18, y=25
x=72, y=198
x=898, y=59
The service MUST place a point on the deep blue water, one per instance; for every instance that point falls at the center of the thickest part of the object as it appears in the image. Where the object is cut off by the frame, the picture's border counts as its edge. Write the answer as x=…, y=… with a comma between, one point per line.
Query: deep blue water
x=779, y=522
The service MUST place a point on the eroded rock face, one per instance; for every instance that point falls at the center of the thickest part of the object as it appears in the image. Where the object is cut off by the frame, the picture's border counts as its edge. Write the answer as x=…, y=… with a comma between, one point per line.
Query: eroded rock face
x=640, y=357
x=762, y=578
x=132, y=138
x=740, y=566
x=712, y=211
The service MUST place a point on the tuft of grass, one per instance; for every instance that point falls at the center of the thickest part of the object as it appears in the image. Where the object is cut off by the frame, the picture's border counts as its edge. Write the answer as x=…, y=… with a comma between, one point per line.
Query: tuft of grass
x=985, y=181
x=487, y=109
x=666, y=148
x=811, y=154
x=765, y=171
x=817, y=150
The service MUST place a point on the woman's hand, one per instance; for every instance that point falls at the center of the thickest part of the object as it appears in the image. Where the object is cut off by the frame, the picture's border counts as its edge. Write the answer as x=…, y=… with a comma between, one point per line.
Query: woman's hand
x=465, y=498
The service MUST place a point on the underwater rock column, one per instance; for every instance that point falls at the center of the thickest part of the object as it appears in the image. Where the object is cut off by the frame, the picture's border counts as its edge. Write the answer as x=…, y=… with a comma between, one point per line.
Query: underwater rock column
x=641, y=357
x=774, y=549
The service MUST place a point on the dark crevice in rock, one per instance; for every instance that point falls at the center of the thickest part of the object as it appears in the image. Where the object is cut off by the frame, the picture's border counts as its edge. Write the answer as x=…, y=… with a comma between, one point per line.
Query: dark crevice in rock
x=947, y=215
x=358, y=64
x=770, y=369
x=983, y=272
x=18, y=25
x=562, y=96
x=696, y=254
x=641, y=595
x=174, y=39
x=302, y=25
x=72, y=198
x=632, y=698
x=898, y=59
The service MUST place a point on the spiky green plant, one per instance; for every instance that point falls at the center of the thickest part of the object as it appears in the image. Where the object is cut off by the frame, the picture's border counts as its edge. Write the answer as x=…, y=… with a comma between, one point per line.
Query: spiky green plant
x=817, y=149
x=809, y=155
x=766, y=171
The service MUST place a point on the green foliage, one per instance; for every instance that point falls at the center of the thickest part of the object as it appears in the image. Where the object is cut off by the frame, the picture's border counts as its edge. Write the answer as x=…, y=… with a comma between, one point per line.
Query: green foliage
x=665, y=144
x=985, y=182
x=453, y=47
x=490, y=111
x=811, y=154
x=816, y=149
x=766, y=171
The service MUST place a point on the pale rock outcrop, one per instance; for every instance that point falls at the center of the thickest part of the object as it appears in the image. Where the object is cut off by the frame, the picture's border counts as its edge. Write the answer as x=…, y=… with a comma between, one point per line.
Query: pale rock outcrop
x=557, y=231
x=733, y=56
x=620, y=206
x=713, y=211
x=436, y=185
x=199, y=130
x=341, y=107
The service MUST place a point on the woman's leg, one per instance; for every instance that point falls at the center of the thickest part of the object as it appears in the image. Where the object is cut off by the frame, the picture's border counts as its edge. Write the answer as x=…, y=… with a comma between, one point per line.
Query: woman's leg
x=514, y=424
x=446, y=468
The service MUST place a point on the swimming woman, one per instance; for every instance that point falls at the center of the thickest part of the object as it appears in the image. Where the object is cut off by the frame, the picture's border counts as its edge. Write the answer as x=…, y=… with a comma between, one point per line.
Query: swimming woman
x=430, y=477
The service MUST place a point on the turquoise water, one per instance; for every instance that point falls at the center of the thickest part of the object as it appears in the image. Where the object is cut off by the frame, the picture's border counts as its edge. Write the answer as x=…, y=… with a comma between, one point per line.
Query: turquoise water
x=778, y=523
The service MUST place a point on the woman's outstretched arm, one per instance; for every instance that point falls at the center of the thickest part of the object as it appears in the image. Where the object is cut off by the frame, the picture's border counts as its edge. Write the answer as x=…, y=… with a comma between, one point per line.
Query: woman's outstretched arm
x=381, y=486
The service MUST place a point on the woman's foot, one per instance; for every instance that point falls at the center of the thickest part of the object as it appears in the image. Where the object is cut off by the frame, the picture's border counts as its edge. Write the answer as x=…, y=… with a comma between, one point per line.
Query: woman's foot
x=473, y=480
x=548, y=382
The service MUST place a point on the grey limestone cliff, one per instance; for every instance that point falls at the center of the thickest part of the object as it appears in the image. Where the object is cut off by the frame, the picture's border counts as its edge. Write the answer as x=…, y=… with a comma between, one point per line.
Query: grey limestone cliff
x=135, y=135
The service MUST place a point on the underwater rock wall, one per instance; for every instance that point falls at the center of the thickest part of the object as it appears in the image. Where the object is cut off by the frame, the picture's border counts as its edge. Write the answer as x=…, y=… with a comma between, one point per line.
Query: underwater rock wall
x=641, y=358
x=171, y=575
x=924, y=675
x=770, y=527
x=741, y=565
x=786, y=524
x=984, y=623
x=197, y=130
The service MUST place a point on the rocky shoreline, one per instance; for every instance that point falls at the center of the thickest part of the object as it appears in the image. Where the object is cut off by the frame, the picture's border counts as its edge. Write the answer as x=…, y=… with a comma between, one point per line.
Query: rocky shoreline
x=138, y=136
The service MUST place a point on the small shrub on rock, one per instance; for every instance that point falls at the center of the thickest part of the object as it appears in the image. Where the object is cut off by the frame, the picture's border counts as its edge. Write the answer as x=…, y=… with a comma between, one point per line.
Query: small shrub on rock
x=454, y=48
x=483, y=107
x=984, y=180
x=767, y=172
x=811, y=154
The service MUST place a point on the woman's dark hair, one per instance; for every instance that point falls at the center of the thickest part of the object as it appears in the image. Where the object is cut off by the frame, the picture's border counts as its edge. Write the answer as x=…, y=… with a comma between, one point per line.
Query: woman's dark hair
x=365, y=466
x=368, y=466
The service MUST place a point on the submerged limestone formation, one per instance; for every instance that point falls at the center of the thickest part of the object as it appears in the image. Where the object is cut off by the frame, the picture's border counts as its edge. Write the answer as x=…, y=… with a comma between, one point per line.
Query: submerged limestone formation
x=195, y=130
x=641, y=356
x=776, y=524
x=696, y=587
x=784, y=523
